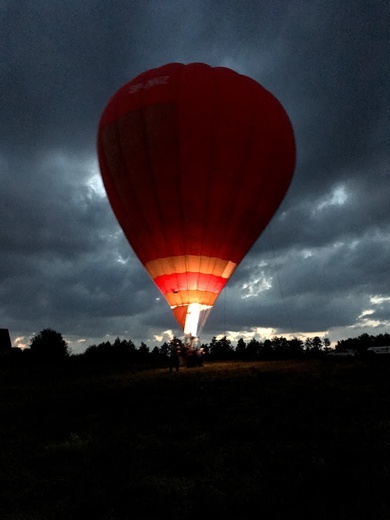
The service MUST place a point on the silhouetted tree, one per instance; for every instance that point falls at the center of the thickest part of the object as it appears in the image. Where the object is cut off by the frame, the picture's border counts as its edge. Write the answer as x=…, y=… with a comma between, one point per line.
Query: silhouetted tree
x=155, y=356
x=308, y=344
x=90, y=351
x=382, y=340
x=295, y=347
x=5, y=340
x=49, y=345
x=313, y=346
x=164, y=351
x=143, y=353
x=326, y=347
x=280, y=346
x=317, y=344
x=241, y=349
x=221, y=349
x=123, y=350
x=253, y=349
x=266, y=350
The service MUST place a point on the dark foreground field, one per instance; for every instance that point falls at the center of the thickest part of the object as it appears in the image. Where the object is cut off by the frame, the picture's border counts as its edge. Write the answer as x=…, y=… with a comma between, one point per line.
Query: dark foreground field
x=280, y=439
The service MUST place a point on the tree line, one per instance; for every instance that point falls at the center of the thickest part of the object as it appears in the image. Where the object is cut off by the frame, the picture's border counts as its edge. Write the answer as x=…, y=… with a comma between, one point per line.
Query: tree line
x=49, y=347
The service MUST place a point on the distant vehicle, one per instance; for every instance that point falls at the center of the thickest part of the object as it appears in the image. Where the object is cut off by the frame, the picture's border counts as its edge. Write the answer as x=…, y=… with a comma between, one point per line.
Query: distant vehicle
x=347, y=352
x=379, y=350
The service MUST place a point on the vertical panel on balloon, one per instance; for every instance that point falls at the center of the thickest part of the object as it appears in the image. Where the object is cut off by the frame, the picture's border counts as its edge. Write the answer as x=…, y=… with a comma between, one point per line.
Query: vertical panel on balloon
x=136, y=186
x=246, y=201
x=162, y=143
x=275, y=155
x=196, y=123
x=117, y=178
x=162, y=140
x=230, y=118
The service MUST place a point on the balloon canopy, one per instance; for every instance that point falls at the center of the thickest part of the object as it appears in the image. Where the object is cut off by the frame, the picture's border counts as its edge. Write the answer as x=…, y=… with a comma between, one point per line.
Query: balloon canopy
x=195, y=160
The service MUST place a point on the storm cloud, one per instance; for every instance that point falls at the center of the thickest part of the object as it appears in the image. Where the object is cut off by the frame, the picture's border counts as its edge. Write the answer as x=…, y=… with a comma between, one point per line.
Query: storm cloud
x=321, y=266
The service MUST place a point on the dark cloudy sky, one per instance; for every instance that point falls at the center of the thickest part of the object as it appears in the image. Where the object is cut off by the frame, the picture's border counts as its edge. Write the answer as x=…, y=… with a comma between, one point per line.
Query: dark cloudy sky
x=321, y=267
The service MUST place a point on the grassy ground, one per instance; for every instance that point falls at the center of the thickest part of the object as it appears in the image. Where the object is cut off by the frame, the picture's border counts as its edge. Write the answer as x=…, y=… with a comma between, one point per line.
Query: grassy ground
x=278, y=439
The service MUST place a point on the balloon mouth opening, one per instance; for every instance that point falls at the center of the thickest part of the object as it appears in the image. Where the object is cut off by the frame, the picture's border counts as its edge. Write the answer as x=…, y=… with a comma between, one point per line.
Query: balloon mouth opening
x=193, y=319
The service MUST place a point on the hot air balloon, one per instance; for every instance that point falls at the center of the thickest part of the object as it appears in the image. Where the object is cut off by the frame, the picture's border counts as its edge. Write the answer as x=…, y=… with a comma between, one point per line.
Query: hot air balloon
x=195, y=160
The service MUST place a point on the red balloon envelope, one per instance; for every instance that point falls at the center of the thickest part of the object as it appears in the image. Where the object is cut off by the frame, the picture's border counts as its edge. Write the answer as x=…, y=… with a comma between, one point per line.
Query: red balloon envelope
x=195, y=161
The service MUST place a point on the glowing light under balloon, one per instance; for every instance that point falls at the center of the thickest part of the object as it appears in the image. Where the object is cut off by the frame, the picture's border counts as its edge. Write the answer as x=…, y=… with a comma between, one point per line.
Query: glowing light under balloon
x=191, y=326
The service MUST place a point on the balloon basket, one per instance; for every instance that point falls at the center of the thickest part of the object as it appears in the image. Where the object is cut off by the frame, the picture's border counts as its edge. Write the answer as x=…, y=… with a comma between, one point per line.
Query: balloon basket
x=192, y=353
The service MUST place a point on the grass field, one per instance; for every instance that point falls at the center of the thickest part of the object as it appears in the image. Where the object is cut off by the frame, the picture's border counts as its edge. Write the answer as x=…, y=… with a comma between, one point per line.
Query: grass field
x=277, y=439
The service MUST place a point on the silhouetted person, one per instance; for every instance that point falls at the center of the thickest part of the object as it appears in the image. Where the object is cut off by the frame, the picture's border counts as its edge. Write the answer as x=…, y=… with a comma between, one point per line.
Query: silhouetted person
x=174, y=361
